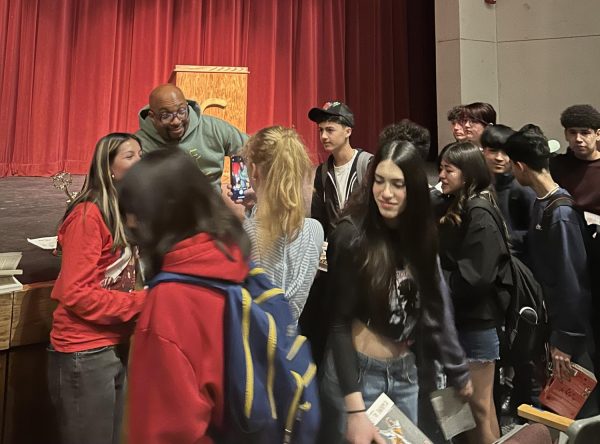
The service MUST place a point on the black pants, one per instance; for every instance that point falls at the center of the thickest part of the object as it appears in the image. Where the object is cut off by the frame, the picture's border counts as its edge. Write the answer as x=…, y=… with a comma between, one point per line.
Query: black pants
x=87, y=389
x=315, y=319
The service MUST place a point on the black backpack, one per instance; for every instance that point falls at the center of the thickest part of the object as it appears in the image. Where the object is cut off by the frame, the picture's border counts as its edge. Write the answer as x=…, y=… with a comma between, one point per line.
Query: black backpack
x=525, y=329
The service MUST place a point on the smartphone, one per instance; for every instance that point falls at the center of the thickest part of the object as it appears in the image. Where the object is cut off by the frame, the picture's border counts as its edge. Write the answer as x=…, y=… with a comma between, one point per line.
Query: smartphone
x=239, y=178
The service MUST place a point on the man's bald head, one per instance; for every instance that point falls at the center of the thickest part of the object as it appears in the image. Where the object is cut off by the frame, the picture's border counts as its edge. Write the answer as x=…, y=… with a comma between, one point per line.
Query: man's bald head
x=169, y=112
x=164, y=92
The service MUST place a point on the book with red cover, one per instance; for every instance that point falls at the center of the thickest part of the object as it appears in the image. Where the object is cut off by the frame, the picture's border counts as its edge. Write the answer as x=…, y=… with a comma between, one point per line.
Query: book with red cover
x=566, y=397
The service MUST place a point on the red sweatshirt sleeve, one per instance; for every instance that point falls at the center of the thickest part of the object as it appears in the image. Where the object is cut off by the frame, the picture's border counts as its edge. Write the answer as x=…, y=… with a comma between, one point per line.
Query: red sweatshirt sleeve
x=84, y=238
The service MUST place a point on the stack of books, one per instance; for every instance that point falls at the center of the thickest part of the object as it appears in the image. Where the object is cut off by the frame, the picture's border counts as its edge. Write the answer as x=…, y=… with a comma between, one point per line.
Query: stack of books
x=8, y=270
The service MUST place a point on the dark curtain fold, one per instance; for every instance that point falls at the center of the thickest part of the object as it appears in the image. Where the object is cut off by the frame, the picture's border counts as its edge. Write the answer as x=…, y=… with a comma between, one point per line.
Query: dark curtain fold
x=74, y=70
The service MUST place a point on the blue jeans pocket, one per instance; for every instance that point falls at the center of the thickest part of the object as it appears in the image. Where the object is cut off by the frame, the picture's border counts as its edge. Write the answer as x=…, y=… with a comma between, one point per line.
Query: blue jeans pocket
x=405, y=373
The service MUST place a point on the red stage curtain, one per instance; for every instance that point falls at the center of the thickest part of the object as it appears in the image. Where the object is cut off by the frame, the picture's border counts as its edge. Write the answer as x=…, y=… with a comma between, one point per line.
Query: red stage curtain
x=74, y=70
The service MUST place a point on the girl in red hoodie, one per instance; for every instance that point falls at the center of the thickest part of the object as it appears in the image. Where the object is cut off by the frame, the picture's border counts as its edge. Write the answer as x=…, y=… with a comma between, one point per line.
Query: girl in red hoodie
x=93, y=320
x=181, y=225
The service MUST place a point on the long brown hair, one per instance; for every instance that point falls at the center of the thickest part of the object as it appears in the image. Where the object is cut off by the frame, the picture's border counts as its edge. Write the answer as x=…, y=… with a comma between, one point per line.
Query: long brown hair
x=477, y=178
x=99, y=186
x=413, y=242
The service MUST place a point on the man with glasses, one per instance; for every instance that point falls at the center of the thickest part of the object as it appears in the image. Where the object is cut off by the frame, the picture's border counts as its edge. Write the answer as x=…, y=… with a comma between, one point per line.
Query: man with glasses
x=171, y=121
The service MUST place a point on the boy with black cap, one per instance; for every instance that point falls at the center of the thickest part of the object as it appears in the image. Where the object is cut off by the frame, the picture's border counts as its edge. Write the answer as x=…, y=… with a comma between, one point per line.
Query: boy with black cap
x=556, y=244
x=578, y=171
x=336, y=178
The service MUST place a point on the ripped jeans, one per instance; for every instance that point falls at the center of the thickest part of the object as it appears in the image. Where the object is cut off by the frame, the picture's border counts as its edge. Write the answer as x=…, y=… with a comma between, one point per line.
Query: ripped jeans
x=396, y=377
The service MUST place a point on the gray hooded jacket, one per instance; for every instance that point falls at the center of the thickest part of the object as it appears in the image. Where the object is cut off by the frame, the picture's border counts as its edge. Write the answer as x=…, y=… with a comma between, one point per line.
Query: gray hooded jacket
x=207, y=139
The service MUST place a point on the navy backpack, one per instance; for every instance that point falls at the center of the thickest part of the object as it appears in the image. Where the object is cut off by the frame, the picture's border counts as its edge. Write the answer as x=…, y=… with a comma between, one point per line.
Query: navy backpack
x=270, y=386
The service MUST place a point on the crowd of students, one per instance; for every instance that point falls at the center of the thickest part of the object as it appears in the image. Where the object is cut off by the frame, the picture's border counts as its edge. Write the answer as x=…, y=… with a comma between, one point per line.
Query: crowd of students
x=414, y=271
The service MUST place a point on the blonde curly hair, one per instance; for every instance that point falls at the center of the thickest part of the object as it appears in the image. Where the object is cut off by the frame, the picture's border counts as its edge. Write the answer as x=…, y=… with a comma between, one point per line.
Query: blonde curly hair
x=280, y=156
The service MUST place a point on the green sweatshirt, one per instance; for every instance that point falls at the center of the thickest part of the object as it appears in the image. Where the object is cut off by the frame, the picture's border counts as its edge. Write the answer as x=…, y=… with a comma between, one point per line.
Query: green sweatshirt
x=207, y=139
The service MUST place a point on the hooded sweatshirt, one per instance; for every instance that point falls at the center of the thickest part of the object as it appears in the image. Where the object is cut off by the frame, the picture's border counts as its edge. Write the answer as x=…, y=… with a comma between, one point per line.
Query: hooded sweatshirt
x=89, y=315
x=207, y=139
x=176, y=372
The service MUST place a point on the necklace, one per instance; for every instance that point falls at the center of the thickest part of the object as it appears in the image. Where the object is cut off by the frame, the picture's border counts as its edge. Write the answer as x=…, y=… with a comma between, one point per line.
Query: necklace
x=549, y=193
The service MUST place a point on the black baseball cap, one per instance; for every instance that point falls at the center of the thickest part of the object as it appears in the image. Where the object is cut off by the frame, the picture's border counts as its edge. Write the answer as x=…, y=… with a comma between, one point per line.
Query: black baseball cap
x=332, y=109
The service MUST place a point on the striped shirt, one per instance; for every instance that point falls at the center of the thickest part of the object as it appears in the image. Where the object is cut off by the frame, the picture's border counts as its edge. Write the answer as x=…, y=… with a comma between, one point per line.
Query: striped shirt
x=291, y=266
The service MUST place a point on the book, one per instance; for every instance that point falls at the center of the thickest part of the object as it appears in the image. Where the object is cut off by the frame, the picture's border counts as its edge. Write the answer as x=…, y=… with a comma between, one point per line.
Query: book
x=567, y=396
x=8, y=270
x=453, y=414
x=393, y=425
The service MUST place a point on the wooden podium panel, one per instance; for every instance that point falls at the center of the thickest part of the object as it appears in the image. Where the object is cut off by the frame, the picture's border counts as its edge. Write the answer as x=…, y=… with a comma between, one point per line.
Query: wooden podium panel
x=221, y=91
x=6, y=306
x=32, y=315
x=26, y=411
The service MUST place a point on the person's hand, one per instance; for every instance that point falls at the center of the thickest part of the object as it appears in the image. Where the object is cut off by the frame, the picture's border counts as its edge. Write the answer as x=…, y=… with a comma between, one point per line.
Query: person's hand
x=466, y=392
x=248, y=201
x=361, y=431
x=561, y=364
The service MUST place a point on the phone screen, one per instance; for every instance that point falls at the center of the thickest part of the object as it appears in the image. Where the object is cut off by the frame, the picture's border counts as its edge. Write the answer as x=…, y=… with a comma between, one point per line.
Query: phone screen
x=239, y=177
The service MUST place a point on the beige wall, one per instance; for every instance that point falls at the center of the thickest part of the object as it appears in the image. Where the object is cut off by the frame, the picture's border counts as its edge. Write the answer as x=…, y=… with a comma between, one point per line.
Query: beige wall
x=530, y=59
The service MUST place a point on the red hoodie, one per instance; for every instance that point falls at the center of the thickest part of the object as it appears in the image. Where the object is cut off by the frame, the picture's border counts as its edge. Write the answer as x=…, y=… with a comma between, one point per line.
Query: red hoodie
x=88, y=315
x=176, y=369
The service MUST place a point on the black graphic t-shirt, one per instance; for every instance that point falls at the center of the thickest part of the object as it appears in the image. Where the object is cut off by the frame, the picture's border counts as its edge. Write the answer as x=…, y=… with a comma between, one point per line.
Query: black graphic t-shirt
x=404, y=306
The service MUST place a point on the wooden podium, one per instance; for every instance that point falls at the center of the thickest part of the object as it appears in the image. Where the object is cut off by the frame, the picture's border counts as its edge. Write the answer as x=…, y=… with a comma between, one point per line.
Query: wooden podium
x=221, y=91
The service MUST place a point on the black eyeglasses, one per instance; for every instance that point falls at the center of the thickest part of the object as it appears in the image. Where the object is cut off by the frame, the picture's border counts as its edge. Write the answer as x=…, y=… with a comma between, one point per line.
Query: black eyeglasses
x=166, y=117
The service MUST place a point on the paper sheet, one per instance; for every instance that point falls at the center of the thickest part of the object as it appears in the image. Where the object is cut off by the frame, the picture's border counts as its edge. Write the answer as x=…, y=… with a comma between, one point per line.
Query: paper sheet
x=591, y=218
x=45, y=243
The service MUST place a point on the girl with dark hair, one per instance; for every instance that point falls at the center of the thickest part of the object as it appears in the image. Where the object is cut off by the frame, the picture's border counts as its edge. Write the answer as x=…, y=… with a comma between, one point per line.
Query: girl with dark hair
x=475, y=263
x=177, y=365
x=96, y=302
x=385, y=280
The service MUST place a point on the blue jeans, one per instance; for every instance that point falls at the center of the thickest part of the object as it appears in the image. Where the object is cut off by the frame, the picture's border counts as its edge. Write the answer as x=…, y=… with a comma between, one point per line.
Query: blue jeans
x=480, y=345
x=87, y=389
x=396, y=377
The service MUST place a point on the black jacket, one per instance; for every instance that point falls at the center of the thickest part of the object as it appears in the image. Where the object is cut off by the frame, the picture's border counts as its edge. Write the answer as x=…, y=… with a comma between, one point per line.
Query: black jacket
x=476, y=266
x=325, y=206
x=516, y=204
